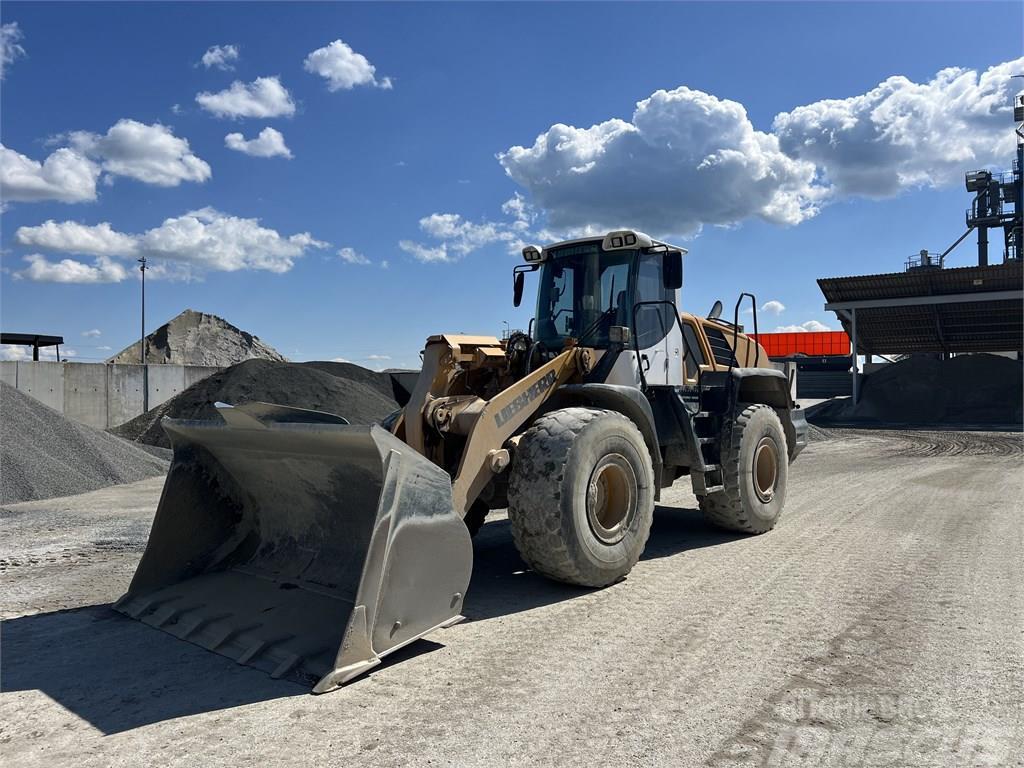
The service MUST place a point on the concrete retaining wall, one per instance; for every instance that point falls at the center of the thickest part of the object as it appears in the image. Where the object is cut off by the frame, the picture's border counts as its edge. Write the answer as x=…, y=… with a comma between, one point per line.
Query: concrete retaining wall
x=98, y=394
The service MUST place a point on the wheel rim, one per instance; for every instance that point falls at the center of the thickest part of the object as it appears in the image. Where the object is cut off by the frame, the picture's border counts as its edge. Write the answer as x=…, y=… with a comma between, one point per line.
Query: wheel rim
x=766, y=469
x=611, y=498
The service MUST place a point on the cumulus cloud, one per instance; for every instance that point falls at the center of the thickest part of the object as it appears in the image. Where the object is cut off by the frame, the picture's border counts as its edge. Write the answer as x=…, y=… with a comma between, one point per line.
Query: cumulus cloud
x=269, y=143
x=19, y=352
x=352, y=256
x=220, y=56
x=102, y=270
x=263, y=97
x=773, y=307
x=904, y=134
x=65, y=176
x=151, y=154
x=343, y=68
x=205, y=240
x=10, y=46
x=459, y=237
x=92, y=334
x=810, y=325
x=72, y=237
x=148, y=153
x=686, y=158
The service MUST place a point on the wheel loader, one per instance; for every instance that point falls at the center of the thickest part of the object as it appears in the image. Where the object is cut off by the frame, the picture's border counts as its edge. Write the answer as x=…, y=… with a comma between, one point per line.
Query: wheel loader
x=295, y=542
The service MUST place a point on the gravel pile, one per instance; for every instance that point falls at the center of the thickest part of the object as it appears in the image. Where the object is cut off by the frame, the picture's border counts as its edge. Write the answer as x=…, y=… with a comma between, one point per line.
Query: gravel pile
x=198, y=338
x=361, y=396
x=43, y=454
x=965, y=390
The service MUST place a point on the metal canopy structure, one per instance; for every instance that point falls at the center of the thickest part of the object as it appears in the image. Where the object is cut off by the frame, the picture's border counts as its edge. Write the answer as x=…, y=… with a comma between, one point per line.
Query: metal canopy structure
x=965, y=309
x=34, y=340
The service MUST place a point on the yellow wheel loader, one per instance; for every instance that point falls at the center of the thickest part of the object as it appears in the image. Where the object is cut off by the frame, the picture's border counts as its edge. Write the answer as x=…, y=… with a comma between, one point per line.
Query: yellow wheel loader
x=297, y=543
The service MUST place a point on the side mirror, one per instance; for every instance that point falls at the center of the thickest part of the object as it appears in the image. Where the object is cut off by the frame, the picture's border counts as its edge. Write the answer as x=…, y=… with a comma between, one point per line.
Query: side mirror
x=672, y=270
x=517, y=289
x=716, y=310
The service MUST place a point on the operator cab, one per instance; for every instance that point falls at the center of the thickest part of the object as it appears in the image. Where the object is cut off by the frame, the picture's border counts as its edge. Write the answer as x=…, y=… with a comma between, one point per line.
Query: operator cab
x=593, y=285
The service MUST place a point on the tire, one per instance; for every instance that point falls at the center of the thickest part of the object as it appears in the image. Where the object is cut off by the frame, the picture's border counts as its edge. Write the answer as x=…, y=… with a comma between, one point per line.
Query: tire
x=754, y=473
x=581, y=496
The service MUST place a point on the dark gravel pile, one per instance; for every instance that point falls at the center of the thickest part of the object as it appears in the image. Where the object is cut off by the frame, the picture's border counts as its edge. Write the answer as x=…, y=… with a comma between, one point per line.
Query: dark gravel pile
x=43, y=454
x=359, y=395
x=966, y=390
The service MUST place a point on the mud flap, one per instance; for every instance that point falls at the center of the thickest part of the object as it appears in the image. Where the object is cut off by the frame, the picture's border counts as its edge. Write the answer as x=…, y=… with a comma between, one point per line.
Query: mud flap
x=291, y=541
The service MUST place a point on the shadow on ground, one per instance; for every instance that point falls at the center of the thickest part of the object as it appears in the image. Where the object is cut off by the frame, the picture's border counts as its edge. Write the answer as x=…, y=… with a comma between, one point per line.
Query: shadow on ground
x=502, y=584
x=120, y=674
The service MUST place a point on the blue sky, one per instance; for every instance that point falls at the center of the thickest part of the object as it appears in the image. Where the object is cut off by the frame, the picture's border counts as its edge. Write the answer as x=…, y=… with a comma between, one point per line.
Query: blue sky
x=418, y=122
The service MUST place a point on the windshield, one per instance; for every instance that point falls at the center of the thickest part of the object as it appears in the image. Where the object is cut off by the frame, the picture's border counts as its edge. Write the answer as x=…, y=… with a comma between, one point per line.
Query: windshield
x=583, y=290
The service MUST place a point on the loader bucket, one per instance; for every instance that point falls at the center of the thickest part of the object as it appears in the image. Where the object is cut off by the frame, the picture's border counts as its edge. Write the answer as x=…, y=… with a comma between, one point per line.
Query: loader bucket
x=290, y=541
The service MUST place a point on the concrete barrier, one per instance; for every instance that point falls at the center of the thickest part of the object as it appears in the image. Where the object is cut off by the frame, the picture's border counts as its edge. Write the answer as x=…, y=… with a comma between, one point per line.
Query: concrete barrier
x=99, y=394
x=164, y=382
x=85, y=393
x=44, y=381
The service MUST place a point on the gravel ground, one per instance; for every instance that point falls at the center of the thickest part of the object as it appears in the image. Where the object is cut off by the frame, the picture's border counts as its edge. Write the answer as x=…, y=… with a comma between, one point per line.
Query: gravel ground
x=43, y=454
x=879, y=624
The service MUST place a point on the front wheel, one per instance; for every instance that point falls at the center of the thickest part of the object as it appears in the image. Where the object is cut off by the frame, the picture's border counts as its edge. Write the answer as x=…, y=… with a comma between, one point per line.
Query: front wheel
x=755, y=470
x=581, y=496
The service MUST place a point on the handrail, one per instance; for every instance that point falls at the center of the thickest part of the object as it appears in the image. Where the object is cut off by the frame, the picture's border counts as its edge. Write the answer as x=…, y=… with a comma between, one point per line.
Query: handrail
x=736, y=330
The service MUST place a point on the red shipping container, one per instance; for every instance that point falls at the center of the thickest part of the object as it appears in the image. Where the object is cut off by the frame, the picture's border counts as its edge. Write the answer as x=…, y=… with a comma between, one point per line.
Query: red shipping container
x=811, y=343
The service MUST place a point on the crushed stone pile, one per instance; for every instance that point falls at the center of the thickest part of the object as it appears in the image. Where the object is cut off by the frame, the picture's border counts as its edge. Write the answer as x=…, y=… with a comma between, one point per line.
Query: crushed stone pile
x=43, y=454
x=196, y=338
x=361, y=396
x=963, y=391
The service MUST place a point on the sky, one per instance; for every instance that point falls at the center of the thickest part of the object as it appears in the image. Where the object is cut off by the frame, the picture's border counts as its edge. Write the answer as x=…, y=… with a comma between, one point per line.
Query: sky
x=343, y=180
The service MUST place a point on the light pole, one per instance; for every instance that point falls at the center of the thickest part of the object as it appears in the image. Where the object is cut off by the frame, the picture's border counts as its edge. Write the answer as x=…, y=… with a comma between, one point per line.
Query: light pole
x=142, y=339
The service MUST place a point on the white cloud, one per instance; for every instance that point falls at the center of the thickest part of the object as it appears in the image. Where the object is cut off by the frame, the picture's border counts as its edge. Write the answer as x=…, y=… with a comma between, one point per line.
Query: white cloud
x=102, y=270
x=21, y=352
x=10, y=46
x=904, y=134
x=65, y=176
x=72, y=237
x=459, y=237
x=685, y=159
x=810, y=325
x=92, y=334
x=351, y=256
x=378, y=357
x=340, y=360
x=385, y=264
x=773, y=307
x=104, y=348
x=263, y=97
x=343, y=68
x=205, y=239
x=148, y=153
x=220, y=56
x=425, y=253
x=269, y=143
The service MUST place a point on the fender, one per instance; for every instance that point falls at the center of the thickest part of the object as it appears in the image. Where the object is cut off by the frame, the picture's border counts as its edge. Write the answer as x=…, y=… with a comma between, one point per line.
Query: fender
x=628, y=401
x=770, y=387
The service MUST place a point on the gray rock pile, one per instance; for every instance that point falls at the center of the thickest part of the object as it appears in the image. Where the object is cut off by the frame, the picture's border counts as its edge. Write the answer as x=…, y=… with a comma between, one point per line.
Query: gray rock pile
x=968, y=390
x=360, y=395
x=43, y=454
x=196, y=338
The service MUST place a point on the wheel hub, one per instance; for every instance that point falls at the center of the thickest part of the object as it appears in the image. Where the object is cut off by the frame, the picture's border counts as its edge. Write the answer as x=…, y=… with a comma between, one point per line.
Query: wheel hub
x=765, y=470
x=611, y=498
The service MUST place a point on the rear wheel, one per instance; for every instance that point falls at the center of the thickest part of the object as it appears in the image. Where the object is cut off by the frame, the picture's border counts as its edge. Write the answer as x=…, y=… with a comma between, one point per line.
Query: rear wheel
x=755, y=469
x=581, y=496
